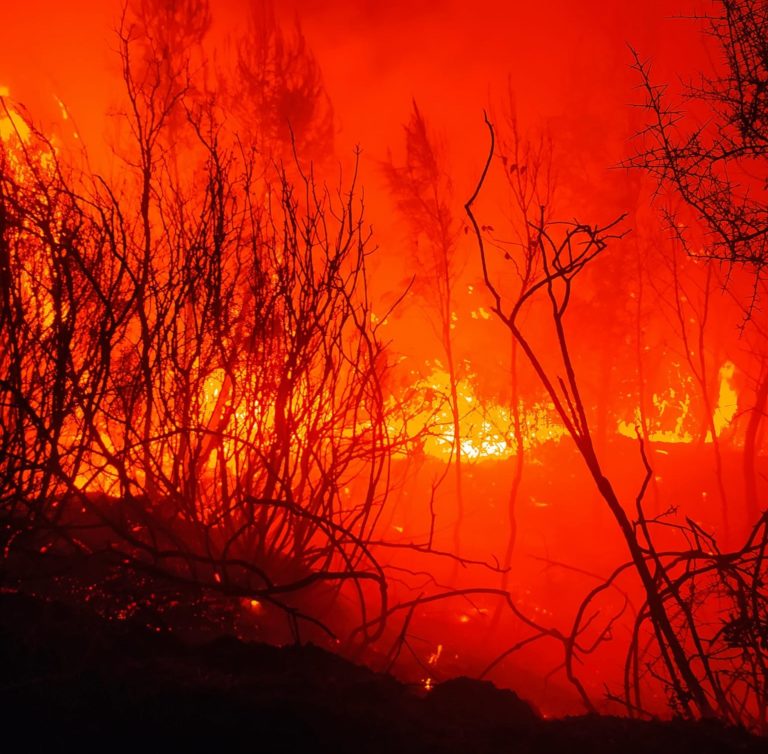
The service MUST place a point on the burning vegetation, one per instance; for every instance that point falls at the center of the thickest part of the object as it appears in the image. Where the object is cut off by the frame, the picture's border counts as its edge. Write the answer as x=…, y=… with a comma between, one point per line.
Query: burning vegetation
x=443, y=430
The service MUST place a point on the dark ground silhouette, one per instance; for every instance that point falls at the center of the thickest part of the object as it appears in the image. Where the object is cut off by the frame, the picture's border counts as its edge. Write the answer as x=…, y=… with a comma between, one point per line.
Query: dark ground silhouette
x=72, y=679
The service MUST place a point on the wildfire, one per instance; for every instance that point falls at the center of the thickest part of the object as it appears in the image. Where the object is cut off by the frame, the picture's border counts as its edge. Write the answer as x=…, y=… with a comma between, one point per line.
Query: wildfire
x=485, y=427
x=422, y=414
x=11, y=123
x=727, y=399
x=190, y=343
x=669, y=424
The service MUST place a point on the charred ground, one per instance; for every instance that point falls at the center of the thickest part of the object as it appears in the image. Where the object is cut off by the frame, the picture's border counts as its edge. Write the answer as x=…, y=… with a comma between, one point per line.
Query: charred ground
x=71, y=677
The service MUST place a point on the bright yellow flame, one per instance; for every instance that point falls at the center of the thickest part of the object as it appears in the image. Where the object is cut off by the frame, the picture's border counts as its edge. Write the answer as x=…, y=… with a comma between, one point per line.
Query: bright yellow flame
x=435, y=656
x=12, y=124
x=669, y=407
x=727, y=399
x=62, y=108
x=485, y=428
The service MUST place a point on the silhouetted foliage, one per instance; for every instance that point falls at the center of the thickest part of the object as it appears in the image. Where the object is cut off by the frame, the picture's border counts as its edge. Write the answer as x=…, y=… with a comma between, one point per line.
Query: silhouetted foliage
x=278, y=90
x=715, y=161
x=709, y=666
x=190, y=367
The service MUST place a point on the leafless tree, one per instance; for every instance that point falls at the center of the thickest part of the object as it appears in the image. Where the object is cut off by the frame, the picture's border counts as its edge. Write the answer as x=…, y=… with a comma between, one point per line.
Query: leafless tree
x=709, y=665
x=191, y=380
x=559, y=258
x=528, y=173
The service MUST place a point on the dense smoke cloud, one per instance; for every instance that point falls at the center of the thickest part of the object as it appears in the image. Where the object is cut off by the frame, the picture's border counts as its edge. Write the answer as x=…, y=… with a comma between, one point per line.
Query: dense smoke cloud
x=558, y=57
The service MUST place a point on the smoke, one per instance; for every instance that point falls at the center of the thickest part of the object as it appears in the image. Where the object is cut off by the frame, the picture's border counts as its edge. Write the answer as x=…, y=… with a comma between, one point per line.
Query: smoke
x=559, y=58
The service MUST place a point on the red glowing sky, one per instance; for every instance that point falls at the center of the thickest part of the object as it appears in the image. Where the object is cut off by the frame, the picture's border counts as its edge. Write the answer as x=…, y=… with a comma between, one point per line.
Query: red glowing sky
x=568, y=65
x=562, y=59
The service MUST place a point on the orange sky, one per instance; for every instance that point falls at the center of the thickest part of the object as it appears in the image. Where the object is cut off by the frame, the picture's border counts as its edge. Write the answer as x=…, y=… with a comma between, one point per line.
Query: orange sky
x=453, y=57
x=567, y=63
